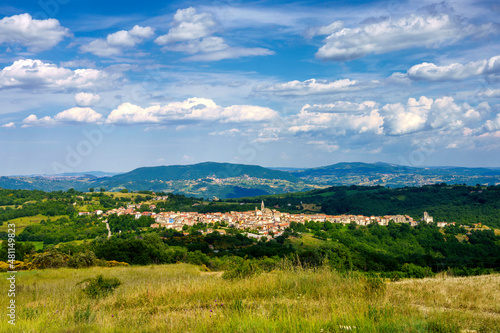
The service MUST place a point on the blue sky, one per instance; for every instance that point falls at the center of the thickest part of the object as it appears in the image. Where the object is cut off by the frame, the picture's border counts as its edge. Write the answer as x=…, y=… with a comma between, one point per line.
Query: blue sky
x=115, y=85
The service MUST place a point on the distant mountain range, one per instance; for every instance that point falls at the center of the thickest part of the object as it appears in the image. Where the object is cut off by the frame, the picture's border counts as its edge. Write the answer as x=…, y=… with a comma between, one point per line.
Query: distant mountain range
x=226, y=180
x=396, y=175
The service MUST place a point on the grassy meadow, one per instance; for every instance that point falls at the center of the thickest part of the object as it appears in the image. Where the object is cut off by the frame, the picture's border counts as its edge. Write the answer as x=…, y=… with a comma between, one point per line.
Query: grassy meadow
x=23, y=222
x=182, y=298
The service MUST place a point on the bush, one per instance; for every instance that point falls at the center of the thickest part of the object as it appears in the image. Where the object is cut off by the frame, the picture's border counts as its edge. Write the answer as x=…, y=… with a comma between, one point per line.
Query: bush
x=243, y=268
x=49, y=259
x=18, y=266
x=101, y=263
x=414, y=271
x=110, y=263
x=114, y=263
x=197, y=258
x=99, y=286
x=396, y=276
x=82, y=259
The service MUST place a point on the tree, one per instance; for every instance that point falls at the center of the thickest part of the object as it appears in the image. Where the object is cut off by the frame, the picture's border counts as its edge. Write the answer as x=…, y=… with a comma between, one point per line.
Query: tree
x=91, y=189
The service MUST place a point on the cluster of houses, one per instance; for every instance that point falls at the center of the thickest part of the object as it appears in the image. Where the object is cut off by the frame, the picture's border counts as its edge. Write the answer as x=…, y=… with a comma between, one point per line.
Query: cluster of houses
x=265, y=221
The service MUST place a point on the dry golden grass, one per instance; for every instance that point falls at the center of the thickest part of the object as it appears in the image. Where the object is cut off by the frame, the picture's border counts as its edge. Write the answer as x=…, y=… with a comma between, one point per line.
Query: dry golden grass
x=181, y=298
x=477, y=296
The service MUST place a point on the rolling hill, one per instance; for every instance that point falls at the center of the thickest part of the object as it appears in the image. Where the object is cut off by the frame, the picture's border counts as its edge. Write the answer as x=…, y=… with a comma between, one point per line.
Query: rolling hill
x=198, y=171
x=226, y=180
x=210, y=179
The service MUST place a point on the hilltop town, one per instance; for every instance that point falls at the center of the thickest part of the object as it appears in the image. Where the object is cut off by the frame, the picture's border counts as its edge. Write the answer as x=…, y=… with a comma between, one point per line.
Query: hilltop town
x=263, y=221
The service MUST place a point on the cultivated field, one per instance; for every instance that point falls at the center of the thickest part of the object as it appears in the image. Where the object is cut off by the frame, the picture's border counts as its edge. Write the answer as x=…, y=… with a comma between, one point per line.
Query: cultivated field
x=182, y=298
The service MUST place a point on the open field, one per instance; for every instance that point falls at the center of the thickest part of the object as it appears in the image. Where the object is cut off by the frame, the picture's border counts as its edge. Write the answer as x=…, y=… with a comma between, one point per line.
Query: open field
x=75, y=242
x=181, y=298
x=38, y=245
x=123, y=195
x=307, y=240
x=9, y=206
x=23, y=222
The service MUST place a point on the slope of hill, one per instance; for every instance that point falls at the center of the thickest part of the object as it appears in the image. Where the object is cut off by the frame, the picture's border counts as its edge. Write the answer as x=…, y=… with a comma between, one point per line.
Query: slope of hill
x=208, y=180
x=199, y=171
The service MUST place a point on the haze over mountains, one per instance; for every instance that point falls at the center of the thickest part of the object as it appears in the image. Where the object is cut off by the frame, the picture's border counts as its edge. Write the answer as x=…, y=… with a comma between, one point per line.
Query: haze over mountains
x=226, y=180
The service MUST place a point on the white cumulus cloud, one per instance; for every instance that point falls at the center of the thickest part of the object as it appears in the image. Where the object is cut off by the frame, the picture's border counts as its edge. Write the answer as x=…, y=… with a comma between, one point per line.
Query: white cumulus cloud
x=115, y=43
x=454, y=72
x=191, y=33
x=389, y=35
x=198, y=109
x=244, y=113
x=315, y=119
x=79, y=115
x=493, y=125
x=428, y=114
x=36, y=35
x=33, y=120
x=86, y=99
x=34, y=74
x=73, y=115
x=188, y=25
x=209, y=44
x=9, y=125
x=416, y=115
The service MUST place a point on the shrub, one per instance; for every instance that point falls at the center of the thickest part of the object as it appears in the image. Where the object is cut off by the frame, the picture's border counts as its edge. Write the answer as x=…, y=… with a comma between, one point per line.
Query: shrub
x=242, y=269
x=18, y=266
x=101, y=263
x=197, y=258
x=4, y=267
x=82, y=259
x=99, y=286
x=49, y=259
x=110, y=263
x=396, y=276
x=114, y=263
x=414, y=271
